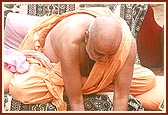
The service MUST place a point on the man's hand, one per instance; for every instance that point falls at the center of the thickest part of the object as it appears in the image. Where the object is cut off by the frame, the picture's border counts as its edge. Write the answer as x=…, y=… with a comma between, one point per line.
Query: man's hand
x=77, y=107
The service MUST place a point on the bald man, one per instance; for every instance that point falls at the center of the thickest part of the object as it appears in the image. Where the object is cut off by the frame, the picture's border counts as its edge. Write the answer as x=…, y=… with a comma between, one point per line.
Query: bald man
x=92, y=52
x=78, y=44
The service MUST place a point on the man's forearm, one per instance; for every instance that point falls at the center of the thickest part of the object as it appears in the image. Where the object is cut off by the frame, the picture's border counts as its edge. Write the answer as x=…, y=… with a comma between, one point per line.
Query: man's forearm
x=73, y=90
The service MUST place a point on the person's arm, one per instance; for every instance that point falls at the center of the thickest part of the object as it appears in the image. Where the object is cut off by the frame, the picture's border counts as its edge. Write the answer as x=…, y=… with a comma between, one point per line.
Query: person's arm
x=70, y=65
x=123, y=82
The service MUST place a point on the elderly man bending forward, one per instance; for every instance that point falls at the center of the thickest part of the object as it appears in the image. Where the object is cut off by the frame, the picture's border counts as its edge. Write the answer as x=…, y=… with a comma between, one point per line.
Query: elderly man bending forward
x=89, y=51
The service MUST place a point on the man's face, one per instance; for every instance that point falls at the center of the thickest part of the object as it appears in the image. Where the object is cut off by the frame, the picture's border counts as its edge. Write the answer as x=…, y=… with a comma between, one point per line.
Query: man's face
x=96, y=53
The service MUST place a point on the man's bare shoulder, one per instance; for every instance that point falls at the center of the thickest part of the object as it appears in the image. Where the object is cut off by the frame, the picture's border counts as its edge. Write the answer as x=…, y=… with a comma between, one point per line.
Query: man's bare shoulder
x=67, y=34
x=70, y=31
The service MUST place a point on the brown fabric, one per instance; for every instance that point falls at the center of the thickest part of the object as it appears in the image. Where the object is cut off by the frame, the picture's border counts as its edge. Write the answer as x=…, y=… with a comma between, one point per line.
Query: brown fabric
x=149, y=41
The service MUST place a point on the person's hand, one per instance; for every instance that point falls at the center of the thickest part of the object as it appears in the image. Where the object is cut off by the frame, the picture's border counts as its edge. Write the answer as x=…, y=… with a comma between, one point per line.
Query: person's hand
x=77, y=107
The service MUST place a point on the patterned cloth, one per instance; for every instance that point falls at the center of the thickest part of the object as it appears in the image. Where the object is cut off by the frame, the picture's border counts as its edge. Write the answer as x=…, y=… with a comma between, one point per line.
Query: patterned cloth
x=93, y=102
x=134, y=15
x=49, y=9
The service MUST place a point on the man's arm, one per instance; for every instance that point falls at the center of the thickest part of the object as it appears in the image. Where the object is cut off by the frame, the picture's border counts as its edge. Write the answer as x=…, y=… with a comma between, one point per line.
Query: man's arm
x=70, y=65
x=123, y=82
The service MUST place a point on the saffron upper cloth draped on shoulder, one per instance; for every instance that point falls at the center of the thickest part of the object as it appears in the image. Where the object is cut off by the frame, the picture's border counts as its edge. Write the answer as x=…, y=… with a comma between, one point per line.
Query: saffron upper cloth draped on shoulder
x=104, y=72
x=44, y=81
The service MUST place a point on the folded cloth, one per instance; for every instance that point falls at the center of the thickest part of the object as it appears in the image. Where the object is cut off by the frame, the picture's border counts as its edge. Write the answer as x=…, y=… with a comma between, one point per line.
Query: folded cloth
x=15, y=61
x=42, y=83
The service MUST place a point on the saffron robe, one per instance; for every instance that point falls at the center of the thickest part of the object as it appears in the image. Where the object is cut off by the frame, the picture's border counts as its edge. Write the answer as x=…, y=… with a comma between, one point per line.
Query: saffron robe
x=44, y=81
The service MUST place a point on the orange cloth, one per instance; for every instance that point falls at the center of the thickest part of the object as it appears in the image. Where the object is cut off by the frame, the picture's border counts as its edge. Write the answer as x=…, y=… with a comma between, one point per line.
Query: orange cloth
x=152, y=99
x=103, y=73
x=42, y=85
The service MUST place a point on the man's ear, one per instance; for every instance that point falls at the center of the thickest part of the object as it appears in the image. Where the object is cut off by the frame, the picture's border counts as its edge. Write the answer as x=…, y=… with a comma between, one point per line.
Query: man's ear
x=86, y=36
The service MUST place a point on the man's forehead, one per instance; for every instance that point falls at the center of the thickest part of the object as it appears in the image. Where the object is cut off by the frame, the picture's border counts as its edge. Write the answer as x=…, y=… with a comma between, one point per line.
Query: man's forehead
x=104, y=48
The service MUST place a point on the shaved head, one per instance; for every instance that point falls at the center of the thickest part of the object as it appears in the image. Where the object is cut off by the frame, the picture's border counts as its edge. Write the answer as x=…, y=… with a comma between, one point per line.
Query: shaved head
x=105, y=34
x=107, y=29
